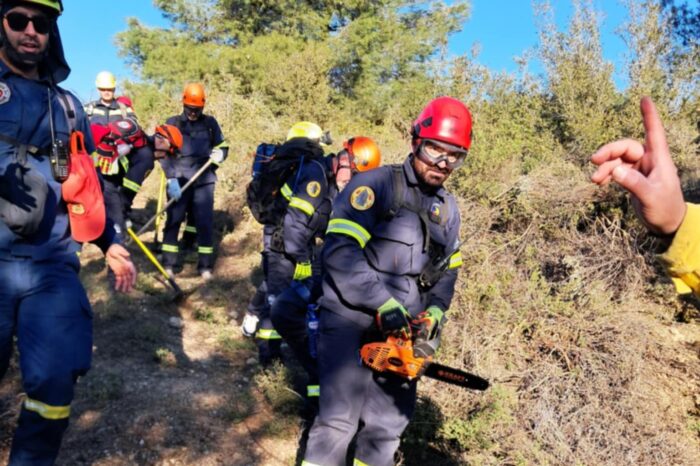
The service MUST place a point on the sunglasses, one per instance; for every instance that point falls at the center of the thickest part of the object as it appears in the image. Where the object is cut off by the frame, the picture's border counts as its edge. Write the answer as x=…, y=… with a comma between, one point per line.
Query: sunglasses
x=433, y=153
x=18, y=22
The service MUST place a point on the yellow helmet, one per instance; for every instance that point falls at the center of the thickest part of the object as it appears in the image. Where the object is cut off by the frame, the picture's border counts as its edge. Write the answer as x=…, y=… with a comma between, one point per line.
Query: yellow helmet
x=105, y=80
x=52, y=4
x=306, y=129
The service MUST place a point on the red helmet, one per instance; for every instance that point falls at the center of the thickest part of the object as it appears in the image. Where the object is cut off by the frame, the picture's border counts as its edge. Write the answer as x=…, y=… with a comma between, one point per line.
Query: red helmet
x=445, y=120
x=98, y=132
x=127, y=131
x=365, y=152
x=125, y=100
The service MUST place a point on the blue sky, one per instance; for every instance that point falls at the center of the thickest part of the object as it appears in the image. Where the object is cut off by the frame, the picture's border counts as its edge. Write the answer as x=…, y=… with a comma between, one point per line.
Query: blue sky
x=503, y=29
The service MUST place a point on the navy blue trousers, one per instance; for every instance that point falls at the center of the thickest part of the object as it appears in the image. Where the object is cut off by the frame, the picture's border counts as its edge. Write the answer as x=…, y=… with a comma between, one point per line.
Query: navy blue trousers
x=45, y=306
x=351, y=393
x=200, y=200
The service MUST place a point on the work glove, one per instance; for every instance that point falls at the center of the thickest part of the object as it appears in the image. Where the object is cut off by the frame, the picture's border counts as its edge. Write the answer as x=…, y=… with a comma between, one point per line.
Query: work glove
x=106, y=159
x=393, y=319
x=426, y=328
x=173, y=189
x=217, y=155
x=123, y=149
x=302, y=271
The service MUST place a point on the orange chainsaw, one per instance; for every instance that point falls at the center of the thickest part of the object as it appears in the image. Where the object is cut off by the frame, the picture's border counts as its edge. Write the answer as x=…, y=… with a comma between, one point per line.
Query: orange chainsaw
x=395, y=355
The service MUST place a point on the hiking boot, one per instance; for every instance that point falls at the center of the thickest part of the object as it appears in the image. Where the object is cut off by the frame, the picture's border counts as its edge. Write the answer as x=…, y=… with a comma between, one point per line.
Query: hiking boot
x=250, y=324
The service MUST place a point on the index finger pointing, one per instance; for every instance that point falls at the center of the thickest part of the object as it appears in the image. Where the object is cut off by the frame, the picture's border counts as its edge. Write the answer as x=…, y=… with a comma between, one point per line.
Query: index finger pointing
x=653, y=127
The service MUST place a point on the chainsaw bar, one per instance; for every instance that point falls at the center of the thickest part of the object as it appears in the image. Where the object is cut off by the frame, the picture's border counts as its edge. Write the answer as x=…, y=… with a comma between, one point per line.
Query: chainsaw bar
x=455, y=377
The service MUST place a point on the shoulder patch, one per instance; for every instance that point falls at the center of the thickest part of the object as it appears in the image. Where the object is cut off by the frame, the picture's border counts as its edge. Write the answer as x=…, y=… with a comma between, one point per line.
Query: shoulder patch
x=313, y=189
x=435, y=213
x=5, y=93
x=362, y=198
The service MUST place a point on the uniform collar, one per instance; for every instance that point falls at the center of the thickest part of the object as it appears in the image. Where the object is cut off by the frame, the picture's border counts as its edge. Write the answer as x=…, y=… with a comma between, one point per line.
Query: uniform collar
x=4, y=69
x=413, y=180
x=184, y=119
x=112, y=105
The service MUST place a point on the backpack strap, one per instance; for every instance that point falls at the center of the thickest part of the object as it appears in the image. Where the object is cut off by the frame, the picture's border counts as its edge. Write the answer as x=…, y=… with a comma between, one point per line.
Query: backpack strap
x=71, y=117
x=407, y=198
x=69, y=109
x=124, y=109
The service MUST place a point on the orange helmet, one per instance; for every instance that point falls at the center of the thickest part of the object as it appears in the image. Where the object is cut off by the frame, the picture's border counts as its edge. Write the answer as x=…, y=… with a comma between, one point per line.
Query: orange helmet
x=173, y=135
x=194, y=95
x=365, y=153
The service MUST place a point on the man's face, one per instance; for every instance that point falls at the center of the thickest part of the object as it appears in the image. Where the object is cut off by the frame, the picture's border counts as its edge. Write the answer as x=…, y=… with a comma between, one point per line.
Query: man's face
x=106, y=95
x=162, y=146
x=27, y=32
x=344, y=170
x=431, y=174
x=193, y=113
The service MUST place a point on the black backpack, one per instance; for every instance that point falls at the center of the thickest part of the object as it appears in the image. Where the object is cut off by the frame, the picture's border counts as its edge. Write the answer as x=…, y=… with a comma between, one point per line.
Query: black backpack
x=273, y=166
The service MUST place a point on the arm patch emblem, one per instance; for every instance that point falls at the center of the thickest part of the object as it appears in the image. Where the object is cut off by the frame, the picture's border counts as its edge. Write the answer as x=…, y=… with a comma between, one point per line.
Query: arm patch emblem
x=362, y=198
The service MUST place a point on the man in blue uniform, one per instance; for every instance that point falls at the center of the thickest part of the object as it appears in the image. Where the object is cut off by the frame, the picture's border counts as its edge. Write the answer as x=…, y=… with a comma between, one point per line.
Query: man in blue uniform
x=137, y=159
x=202, y=141
x=291, y=308
x=386, y=227
x=42, y=302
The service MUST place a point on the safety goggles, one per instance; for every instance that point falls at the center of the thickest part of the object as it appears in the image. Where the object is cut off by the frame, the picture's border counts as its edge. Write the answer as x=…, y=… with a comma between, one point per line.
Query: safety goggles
x=345, y=160
x=18, y=22
x=433, y=152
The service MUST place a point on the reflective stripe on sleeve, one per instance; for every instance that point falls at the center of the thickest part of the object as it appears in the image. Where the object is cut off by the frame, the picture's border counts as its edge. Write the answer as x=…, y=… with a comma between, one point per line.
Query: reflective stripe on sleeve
x=349, y=228
x=128, y=184
x=205, y=249
x=286, y=191
x=301, y=204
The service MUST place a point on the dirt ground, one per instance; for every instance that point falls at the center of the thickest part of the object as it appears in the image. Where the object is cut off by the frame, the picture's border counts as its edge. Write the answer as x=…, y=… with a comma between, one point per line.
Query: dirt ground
x=171, y=382
x=176, y=383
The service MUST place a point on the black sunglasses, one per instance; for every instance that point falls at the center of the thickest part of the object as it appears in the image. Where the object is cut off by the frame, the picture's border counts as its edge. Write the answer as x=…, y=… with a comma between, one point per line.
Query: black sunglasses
x=18, y=22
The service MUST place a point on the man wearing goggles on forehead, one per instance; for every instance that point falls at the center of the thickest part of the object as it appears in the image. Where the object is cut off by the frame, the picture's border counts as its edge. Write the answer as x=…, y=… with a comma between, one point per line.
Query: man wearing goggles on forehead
x=388, y=225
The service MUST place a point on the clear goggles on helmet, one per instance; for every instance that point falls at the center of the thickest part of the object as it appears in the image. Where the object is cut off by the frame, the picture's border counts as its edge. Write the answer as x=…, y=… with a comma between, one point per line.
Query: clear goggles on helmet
x=345, y=160
x=433, y=152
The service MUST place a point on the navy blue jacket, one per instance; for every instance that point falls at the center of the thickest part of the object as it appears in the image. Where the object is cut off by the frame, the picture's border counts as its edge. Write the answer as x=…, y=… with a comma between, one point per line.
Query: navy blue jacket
x=370, y=256
x=24, y=118
x=102, y=114
x=200, y=137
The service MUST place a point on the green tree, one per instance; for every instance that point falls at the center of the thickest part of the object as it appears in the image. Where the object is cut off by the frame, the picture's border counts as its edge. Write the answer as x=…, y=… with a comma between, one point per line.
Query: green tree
x=582, y=96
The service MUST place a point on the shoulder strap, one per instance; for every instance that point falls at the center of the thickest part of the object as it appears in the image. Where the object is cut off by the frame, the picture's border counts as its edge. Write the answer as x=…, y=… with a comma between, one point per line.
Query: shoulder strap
x=398, y=183
x=124, y=109
x=210, y=127
x=404, y=197
x=68, y=107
